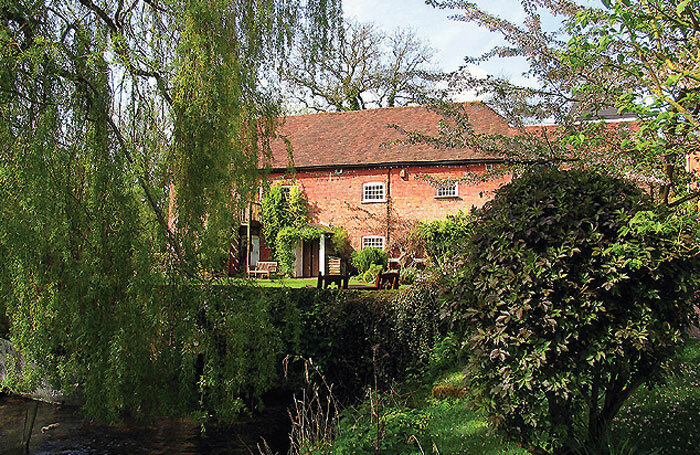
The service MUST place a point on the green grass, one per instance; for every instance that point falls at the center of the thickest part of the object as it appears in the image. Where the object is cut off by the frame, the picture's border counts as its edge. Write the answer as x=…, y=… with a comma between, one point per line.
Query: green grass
x=296, y=282
x=416, y=423
x=666, y=417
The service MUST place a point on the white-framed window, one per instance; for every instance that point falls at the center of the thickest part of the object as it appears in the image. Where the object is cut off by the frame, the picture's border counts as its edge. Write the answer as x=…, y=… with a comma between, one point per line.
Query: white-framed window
x=373, y=192
x=373, y=241
x=449, y=189
x=489, y=167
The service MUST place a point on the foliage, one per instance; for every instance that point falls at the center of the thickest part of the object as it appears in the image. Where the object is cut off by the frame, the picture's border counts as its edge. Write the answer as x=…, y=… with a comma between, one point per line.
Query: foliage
x=340, y=329
x=422, y=319
x=575, y=295
x=362, y=260
x=340, y=241
x=4, y=323
x=286, y=242
x=443, y=238
x=444, y=355
x=282, y=206
x=363, y=68
x=104, y=105
x=370, y=276
x=408, y=275
x=659, y=420
x=640, y=57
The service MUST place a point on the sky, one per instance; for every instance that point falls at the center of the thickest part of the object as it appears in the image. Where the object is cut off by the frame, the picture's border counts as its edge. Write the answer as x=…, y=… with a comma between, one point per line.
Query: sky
x=452, y=39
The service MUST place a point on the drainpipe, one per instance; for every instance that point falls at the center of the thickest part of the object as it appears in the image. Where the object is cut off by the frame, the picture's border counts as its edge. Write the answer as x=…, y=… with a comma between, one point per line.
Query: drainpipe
x=388, y=208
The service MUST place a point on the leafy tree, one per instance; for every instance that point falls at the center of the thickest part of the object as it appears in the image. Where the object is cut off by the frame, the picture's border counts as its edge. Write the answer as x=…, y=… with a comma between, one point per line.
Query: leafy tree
x=363, y=67
x=574, y=293
x=639, y=56
x=105, y=104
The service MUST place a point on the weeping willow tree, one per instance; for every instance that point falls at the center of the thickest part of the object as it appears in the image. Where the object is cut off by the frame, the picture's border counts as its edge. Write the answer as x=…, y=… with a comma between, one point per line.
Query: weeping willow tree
x=104, y=105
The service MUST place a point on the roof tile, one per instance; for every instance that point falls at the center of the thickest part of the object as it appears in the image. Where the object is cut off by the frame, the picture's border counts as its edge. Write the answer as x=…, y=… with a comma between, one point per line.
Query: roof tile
x=361, y=137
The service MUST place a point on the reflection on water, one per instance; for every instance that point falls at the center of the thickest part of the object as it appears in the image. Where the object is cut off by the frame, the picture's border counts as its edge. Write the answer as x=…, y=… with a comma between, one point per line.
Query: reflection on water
x=66, y=432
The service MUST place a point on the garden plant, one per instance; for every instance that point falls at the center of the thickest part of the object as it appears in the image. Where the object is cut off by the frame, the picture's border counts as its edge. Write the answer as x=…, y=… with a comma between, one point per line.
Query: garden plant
x=574, y=290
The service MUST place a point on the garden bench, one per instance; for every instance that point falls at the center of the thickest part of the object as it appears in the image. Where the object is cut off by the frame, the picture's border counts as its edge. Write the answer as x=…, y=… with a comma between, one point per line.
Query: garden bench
x=262, y=269
x=388, y=280
x=326, y=280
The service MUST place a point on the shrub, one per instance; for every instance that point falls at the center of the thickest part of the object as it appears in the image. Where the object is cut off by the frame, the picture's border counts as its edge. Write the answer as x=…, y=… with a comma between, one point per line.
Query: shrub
x=575, y=293
x=340, y=242
x=4, y=323
x=443, y=238
x=362, y=260
x=408, y=275
x=370, y=276
x=420, y=319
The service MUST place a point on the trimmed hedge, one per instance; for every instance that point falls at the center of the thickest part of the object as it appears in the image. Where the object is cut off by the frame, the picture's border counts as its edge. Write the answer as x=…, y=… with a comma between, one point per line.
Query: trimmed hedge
x=339, y=330
x=256, y=328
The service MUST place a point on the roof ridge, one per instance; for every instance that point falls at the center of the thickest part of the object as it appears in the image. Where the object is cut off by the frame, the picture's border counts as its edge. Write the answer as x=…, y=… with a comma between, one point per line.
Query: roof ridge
x=374, y=109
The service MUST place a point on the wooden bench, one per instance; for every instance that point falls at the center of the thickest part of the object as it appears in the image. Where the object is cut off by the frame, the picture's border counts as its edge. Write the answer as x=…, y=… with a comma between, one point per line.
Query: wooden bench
x=262, y=269
x=387, y=280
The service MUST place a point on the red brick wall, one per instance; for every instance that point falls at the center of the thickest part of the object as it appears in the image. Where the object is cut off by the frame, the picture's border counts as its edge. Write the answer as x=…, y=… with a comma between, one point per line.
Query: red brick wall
x=335, y=198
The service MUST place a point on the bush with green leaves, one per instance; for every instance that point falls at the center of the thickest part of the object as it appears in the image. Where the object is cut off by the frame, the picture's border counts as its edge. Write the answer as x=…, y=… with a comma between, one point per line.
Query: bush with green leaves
x=443, y=237
x=408, y=275
x=362, y=260
x=575, y=289
x=370, y=276
x=340, y=242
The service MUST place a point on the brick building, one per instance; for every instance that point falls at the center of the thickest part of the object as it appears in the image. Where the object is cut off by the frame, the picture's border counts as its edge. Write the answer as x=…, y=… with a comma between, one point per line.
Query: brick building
x=355, y=177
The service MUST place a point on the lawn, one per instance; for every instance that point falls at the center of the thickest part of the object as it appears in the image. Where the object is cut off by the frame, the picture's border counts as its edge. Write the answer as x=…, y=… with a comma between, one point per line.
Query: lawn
x=298, y=282
x=662, y=419
x=665, y=418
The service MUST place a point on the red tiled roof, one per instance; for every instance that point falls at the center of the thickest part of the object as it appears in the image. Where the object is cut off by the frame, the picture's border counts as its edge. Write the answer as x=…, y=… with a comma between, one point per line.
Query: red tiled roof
x=359, y=137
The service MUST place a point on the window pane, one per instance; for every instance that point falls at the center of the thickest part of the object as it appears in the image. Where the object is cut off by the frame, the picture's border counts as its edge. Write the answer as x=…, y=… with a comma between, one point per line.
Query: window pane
x=373, y=192
x=447, y=190
x=373, y=242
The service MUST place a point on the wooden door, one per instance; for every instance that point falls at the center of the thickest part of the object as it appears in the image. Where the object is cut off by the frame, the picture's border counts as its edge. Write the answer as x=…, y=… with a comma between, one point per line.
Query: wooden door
x=310, y=257
x=306, y=259
x=315, y=247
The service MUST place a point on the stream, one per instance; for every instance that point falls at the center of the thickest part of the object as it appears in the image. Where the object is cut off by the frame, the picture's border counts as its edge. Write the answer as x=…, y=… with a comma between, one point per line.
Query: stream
x=63, y=430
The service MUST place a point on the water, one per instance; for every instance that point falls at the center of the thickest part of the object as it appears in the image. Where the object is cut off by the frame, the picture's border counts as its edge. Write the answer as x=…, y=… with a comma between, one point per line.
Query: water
x=62, y=430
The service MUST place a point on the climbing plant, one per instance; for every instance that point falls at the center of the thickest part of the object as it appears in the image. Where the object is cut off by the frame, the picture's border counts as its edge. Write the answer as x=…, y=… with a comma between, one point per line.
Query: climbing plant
x=282, y=206
x=286, y=243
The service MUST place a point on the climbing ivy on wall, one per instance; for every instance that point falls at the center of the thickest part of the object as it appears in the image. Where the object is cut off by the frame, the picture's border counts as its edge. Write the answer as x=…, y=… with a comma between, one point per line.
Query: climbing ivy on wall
x=286, y=242
x=281, y=207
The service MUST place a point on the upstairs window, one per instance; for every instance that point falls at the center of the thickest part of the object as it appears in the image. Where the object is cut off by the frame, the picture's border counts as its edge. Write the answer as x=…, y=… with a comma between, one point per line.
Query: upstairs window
x=373, y=241
x=373, y=192
x=447, y=190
